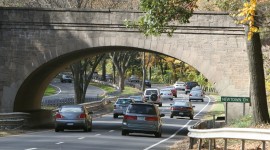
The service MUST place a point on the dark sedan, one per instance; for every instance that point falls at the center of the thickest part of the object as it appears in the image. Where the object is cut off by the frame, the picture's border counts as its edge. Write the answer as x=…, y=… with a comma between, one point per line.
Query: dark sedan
x=182, y=108
x=73, y=117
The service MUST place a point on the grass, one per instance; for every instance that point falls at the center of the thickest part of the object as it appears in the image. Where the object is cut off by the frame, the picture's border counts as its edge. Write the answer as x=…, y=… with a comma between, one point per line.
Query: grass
x=106, y=88
x=130, y=91
x=50, y=91
x=217, y=109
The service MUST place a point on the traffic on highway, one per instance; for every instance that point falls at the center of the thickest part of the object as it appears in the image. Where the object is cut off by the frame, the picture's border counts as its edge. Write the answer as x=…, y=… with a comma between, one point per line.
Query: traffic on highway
x=107, y=131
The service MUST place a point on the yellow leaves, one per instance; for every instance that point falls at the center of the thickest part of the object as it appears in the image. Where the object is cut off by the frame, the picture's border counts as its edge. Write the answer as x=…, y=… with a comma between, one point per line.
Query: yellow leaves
x=248, y=12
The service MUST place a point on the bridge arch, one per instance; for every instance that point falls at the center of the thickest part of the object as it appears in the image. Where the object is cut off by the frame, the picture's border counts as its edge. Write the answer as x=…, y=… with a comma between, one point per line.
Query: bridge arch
x=35, y=40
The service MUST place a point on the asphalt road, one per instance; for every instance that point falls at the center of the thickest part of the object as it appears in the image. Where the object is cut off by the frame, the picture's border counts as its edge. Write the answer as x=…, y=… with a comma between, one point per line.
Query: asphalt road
x=106, y=134
x=66, y=90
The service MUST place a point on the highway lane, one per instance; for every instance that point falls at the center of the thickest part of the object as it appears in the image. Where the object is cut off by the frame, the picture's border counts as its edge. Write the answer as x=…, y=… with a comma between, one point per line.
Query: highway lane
x=66, y=90
x=106, y=134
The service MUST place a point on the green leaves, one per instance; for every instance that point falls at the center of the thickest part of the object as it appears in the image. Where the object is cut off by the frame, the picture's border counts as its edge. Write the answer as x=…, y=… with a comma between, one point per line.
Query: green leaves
x=159, y=15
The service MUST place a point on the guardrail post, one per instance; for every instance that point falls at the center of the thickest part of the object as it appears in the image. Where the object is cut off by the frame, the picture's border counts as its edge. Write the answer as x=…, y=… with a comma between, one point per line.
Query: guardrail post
x=243, y=144
x=225, y=144
x=200, y=144
x=210, y=144
x=191, y=142
x=263, y=145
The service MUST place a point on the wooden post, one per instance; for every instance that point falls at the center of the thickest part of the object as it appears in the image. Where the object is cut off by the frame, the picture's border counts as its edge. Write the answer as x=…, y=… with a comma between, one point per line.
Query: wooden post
x=225, y=144
x=200, y=144
x=263, y=146
x=243, y=144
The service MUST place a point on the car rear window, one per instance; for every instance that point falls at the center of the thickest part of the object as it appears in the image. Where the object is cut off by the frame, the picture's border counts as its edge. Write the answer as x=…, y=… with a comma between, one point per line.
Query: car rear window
x=150, y=92
x=124, y=101
x=142, y=109
x=71, y=109
x=181, y=104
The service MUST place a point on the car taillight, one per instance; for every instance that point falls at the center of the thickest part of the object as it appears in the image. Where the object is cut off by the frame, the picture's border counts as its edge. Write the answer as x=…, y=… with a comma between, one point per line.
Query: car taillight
x=190, y=94
x=82, y=116
x=127, y=117
x=58, y=116
x=189, y=108
x=172, y=108
x=151, y=118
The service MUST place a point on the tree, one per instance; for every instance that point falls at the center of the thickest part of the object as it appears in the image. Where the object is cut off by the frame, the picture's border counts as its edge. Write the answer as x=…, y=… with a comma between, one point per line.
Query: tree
x=158, y=18
x=121, y=60
x=82, y=73
x=254, y=51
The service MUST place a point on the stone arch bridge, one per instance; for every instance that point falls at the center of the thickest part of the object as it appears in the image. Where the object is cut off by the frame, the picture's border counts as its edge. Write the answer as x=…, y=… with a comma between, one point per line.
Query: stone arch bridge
x=36, y=44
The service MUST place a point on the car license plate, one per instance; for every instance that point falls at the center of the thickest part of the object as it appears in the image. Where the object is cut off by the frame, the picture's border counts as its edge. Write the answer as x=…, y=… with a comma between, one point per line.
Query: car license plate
x=70, y=124
x=181, y=113
x=140, y=118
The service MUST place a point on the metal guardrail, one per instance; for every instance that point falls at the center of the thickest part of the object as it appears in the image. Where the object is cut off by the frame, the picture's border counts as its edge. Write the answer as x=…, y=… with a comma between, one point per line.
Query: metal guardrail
x=10, y=121
x=230, y=133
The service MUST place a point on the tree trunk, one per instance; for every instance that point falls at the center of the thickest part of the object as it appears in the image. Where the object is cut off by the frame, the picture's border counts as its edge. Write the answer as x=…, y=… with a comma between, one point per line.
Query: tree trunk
x=143, y=71
x=121, y=82
x=103, y=77
x=257, y=81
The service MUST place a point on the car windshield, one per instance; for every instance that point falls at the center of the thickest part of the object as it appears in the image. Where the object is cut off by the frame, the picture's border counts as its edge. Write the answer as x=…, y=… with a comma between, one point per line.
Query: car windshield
x=196, y=88
x=181, y=104
x=142, y=109
x=150, y=92
x=71, y=109
x=124, y=101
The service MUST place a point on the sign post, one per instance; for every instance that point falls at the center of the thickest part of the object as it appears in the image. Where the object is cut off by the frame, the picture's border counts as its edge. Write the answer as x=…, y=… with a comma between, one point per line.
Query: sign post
x=235, y=100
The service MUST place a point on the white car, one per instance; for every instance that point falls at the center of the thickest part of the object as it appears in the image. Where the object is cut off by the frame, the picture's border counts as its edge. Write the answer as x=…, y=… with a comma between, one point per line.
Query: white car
x=180, y=86
x=196, y=93
x=166, y=94
x=152, y=95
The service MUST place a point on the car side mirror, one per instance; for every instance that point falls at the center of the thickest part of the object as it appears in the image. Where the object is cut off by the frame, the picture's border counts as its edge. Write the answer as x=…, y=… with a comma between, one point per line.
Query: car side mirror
x=193, y=106
x=170, y=104
x=90, y=112
x=161, y=93
x=162, y=115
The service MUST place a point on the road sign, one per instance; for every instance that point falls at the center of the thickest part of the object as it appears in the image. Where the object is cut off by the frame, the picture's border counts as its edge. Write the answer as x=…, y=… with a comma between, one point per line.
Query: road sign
x=235, y=99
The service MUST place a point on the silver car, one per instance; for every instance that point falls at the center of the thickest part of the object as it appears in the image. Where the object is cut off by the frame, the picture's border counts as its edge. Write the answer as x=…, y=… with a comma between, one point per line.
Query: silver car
x=142, y=118
x=196, y=93
x=73, y=117
x=120, y=106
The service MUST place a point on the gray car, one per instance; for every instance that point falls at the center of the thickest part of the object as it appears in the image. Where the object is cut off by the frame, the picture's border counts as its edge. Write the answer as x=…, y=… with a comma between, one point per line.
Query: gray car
x=121, y=105
x=197, y=93
x=73, y=117
x=142, y=118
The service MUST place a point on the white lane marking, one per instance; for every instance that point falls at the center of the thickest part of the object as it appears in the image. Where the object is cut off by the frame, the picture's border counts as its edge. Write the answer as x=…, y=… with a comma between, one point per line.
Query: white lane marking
x=59, y=143
x=30, y=148
x=80, y=138
x=178, y=129
x=97, y=134
x=58, y=92
x=111, y=130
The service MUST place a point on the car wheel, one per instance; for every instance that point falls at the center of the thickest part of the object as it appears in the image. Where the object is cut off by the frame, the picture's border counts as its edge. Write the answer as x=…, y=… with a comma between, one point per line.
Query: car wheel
x=90, y=129
x=190, y=100
x=171, y=99
x=124, y=132
x=202, y=100
x=160, y=105
x=56, y=130
x=191, y=117
x=115, y=116
x=85, y=129
x=171, y=116
x=158, y=134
